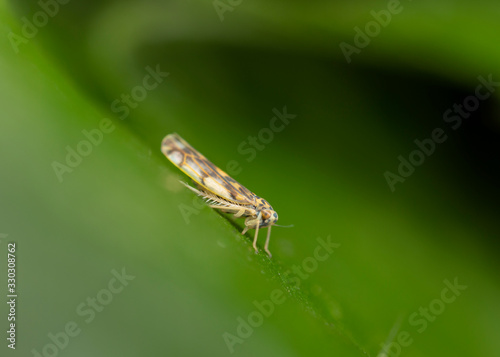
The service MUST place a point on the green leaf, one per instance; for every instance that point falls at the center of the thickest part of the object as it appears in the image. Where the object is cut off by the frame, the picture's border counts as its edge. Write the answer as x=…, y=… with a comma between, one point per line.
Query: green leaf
x=115, y=257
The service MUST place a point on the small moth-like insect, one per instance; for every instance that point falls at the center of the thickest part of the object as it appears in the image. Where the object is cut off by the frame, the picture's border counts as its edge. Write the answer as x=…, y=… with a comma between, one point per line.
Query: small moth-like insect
x=219, y=190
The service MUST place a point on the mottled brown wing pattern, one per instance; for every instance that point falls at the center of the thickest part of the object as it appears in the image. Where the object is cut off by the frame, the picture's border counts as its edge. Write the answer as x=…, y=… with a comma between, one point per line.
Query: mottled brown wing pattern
x=203, y=172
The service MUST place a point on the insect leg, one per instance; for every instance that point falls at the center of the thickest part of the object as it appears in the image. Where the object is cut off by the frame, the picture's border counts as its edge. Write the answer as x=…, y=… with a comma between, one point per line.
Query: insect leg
x=267, y=242
x=257, y=232
x=240, y=212
x=198, y=192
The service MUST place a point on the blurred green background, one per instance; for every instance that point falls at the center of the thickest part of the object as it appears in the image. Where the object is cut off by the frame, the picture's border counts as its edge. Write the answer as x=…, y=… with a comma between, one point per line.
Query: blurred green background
x=67, y=68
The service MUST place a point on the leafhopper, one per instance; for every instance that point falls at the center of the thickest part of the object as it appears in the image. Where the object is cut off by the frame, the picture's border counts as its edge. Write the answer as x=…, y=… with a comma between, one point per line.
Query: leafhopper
x=220, y=190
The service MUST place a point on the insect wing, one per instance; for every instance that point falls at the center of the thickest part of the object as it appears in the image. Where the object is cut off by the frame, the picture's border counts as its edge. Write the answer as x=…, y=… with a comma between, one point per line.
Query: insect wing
x=203, y=172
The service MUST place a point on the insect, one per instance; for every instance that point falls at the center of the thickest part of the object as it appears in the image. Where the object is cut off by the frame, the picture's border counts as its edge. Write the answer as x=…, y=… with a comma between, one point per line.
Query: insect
x=219, y=190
